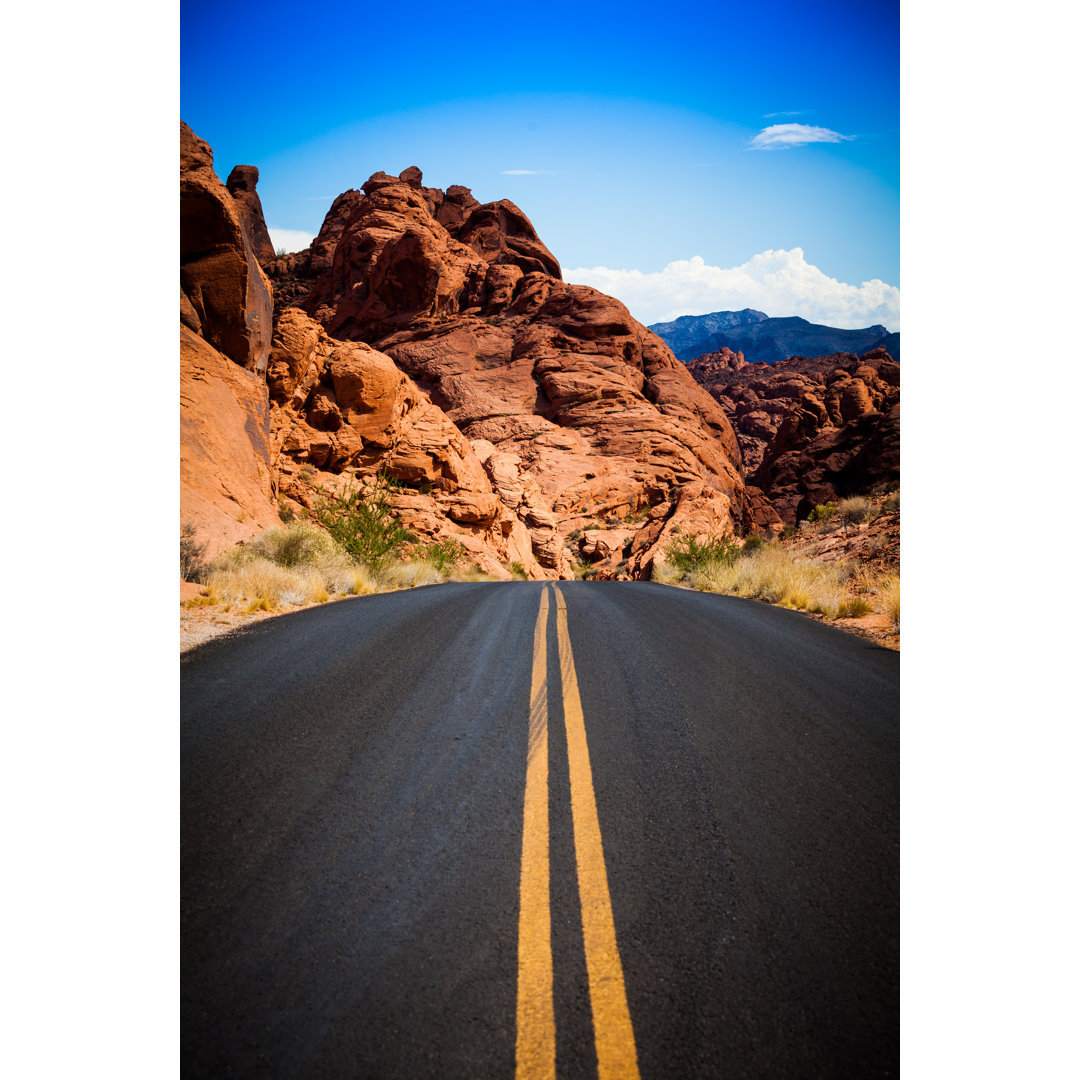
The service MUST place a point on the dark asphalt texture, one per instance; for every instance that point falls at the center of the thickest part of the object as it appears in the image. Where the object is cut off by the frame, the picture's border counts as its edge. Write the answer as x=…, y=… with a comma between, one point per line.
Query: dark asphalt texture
x=353, y=779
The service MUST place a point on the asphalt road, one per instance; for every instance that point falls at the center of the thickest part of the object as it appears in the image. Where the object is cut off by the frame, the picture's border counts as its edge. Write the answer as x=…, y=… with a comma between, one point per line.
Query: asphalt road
x=366, y=892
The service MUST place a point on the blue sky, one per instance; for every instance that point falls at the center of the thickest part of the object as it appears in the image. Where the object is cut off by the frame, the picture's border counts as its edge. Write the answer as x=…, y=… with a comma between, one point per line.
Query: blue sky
x=659, y=150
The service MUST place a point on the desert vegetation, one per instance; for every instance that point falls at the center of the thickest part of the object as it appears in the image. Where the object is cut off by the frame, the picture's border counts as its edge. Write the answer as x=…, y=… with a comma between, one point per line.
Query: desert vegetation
x=352, y=545
x=802, y=569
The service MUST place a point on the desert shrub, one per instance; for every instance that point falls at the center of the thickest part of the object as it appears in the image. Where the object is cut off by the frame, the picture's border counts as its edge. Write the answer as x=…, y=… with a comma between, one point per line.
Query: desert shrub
x=518, y=570
x=891, y=501
x=192, y=565
x=364, y=522
x=855, y=510
x=687, y=555
x=752, y=544
x=298, y=543
x=445, y=555
x=822, y=512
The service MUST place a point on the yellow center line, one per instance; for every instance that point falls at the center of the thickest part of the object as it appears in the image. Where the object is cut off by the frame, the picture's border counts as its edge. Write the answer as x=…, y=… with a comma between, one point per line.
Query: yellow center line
x=616, y=1052
x=535, y=1004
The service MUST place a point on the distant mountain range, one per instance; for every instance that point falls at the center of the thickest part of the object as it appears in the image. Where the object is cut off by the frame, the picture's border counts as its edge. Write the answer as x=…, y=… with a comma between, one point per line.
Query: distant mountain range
x=760, y=338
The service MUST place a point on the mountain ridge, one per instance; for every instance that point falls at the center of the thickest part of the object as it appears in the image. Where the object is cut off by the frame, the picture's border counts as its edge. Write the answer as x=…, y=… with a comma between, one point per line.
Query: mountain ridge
x=766, y=339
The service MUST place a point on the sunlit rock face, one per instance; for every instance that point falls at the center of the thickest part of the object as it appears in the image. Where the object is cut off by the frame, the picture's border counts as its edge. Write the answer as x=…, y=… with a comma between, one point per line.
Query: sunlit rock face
x=431, y=338
x=585, y=405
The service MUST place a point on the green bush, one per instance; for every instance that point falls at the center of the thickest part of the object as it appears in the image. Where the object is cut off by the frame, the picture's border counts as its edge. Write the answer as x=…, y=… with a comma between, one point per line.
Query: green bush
x=687, y=555
x=363, y=522
x=822, y=512
x=445, y=556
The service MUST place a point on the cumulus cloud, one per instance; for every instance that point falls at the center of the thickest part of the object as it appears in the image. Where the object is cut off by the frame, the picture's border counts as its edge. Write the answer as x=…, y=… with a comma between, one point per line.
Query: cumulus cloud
x=785, y=136
x=778, y=283
x=289, y=239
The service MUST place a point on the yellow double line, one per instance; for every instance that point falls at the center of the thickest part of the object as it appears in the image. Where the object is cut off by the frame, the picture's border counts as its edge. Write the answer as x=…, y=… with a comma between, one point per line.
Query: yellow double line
x=615, y=1050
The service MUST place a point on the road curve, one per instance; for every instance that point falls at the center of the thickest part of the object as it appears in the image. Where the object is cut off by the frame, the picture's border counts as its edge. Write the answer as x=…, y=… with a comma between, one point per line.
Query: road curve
x=525, y=830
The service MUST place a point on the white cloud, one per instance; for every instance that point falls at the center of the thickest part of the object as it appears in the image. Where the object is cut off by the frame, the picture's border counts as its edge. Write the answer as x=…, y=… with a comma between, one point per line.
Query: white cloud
x=289, y=239
x=785, y=136
x=778, y=283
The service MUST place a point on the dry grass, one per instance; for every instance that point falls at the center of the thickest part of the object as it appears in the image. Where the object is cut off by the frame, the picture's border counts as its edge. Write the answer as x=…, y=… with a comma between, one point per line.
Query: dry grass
x=856, y=510
x=888, y=590
x=838, y=589
x=298, y=564
x=773, y=575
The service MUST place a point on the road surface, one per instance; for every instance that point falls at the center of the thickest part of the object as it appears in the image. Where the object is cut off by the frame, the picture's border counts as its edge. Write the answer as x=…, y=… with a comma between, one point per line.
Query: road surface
x=531, y=830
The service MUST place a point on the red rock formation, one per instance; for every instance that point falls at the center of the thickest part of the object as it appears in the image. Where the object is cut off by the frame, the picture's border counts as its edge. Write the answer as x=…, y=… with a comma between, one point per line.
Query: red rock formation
x=226, y=297
x=339, y=407
x=226, y=468
x=589, y=405
x=293, y=275
x=241, y=184
x=810, y=430
x=226, y=471
x=515, y=409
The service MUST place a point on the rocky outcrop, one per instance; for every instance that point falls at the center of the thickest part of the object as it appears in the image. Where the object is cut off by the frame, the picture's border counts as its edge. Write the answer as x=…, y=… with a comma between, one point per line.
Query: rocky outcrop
x=341, y=408
x=810, y=429
x=225, y=296
x=597, y=418
x=431, y=338
x=294, y=275
x=227, y=476
x=226, y=464
x=241, y=184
